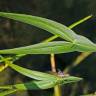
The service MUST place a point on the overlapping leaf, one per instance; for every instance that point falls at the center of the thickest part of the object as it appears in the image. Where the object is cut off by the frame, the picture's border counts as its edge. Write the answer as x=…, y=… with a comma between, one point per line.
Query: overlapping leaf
x=43, y=80
x=32, y=74
x=77, y=42
x=42, y=48
x=55, y=47
x=44, y=76
x=46, y=24
x=34, y=85
x=83, y=44
x=7, y=92
x=71, y=26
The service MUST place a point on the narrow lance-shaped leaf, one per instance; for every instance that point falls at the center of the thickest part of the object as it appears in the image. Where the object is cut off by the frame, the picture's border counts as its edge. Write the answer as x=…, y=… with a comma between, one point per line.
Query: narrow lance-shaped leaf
x=42, y=83
x=7, y=92
x=55, y=36
x=32, y=74
x=34, y=85
x=52, y=79
x=82, y=44
x=46, y=24
x=71, y=26
x=42, y=48
x=44, y=76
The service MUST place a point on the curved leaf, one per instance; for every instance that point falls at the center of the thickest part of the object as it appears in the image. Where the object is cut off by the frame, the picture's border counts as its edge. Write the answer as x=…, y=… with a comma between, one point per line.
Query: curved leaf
x=32, y=74
x=7, y=92
x=46, y=24
x=34, y=85
x=83, y=44
x=71, y=26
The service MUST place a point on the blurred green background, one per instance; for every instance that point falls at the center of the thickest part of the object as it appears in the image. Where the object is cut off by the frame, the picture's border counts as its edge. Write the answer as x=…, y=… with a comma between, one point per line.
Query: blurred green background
x=15, y=34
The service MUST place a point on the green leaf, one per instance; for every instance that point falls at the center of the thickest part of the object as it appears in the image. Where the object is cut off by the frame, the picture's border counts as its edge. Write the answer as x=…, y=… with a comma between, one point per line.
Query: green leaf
x=68, y=79
x=32, y=74
x=48, y=80
x=42, y=48
x=46, y=24
x=34, y=85
x=44, y=80
x=7, y=92
x=79, y=43
x=83, y=44
x=71, y=26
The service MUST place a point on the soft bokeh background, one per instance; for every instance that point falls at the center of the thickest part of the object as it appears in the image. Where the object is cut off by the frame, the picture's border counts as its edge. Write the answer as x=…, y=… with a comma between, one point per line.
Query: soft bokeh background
x=15, y=34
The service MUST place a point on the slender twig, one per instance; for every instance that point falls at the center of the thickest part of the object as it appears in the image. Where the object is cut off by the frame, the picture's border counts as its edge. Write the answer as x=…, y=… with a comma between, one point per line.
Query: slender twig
x=53, y=63
x=77, y=61
x=57, y=89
